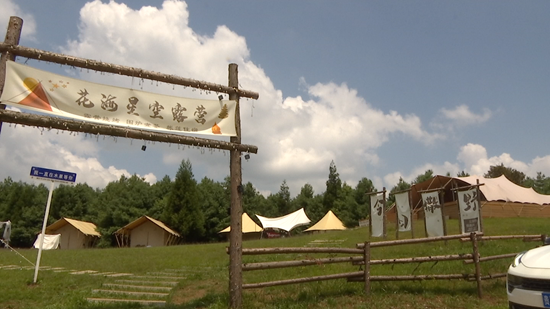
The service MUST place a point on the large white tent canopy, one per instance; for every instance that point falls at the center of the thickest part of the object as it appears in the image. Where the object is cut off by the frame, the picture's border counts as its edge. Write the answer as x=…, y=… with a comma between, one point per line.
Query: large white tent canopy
x=502, y=189
x=287, y=222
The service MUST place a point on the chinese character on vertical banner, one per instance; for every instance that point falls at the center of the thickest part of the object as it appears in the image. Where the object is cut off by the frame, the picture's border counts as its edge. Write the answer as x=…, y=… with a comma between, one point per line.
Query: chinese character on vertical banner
x=377, y=215
x=468, y=204
x=403, y=211
x=433, y=216
x=58, y=95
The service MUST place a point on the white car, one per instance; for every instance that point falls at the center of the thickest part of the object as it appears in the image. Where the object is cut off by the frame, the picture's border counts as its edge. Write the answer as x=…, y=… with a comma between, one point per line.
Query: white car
x=528, y=280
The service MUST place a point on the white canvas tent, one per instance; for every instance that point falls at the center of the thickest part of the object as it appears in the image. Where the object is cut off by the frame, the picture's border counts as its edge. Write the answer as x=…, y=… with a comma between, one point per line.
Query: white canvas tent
x=250, y=229
x=248, y=225
x=50, y=242
x=328, y=223
x=502, y=189
x=75, y=234
x=287, y=222
x=146, y=232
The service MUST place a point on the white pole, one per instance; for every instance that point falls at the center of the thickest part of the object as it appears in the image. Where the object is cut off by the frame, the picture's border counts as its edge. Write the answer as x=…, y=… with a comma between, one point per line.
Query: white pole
x=46, y=214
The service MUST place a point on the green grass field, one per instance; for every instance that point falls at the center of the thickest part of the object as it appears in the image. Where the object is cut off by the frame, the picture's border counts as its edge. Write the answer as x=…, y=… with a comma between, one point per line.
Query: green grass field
x=206, y=276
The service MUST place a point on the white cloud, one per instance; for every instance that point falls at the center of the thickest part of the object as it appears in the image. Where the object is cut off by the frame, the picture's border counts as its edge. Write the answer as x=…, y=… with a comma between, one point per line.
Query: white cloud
x=438, y=169
x=476, y=161
x=539, y=164
x=11, y=9
x=156, y=39
x=473, y=159
x=297, y=137
x=335, y=124
x=25, y=147
x=462, y=116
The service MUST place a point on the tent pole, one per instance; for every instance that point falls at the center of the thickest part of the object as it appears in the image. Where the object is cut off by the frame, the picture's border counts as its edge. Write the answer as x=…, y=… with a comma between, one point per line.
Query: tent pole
x=44, y=223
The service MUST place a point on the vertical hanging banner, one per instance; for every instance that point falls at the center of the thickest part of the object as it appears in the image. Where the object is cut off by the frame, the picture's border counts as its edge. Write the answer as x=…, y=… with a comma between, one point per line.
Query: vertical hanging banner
x=58, y=95
x=470, y=211
x=433, y=216
x=377, y=215
x=403, y=211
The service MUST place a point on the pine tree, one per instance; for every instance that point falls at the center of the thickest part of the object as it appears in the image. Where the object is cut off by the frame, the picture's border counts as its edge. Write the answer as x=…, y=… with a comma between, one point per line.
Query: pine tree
x=183, y=211
x=223, y=113
x=334, y=186
x=283, y=200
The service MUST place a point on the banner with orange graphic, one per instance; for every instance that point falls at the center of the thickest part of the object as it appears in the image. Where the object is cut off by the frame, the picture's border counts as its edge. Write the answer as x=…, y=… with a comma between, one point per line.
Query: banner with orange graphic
x=45, y=92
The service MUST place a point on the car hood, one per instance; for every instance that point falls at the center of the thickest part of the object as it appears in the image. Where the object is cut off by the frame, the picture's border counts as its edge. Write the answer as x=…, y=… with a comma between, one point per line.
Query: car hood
x=537, y=258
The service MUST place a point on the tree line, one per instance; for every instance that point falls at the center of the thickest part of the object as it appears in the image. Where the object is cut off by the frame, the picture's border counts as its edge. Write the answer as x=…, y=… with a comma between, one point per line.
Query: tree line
x=196, y=210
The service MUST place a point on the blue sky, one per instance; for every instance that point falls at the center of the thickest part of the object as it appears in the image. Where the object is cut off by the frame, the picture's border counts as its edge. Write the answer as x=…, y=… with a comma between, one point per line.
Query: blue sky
x=385, y=89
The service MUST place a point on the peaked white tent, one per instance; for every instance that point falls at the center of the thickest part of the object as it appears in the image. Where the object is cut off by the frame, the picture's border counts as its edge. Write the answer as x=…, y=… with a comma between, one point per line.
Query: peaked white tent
x=250, y=229
x=328, y=223
x=287, y=222
x=248, y=225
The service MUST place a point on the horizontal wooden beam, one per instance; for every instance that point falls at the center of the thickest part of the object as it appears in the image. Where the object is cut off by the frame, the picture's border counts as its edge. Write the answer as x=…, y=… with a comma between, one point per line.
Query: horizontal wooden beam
x=102, y=129
x=43, y=55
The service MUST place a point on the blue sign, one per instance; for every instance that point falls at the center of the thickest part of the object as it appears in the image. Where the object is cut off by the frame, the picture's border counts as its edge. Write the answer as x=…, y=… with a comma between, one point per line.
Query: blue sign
x=52, y=175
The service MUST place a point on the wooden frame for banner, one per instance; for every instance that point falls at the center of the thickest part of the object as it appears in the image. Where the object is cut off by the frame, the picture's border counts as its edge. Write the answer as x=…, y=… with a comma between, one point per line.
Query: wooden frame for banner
x=10, y=49
x=455, y=191
x=383, y=212
x=441, y=196
x=397, y=213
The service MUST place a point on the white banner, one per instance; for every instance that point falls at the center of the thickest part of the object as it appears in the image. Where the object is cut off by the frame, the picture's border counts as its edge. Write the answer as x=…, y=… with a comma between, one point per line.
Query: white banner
x=469, y=207
x=377, y=215
x=50, y=242
x=58, y=95
x=7, y=231
x=433, y=216
x=403, y=211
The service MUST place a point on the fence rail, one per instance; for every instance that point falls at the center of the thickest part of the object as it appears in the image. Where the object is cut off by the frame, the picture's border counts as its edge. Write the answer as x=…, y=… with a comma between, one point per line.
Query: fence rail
x=362, y=256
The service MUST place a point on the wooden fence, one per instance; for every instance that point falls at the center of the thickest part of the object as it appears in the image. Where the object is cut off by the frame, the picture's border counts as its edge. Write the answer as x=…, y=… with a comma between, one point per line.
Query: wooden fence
x=362, y=256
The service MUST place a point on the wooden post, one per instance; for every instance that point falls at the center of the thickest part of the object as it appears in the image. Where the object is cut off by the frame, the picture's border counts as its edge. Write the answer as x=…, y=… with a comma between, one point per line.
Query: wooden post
x=473, y=237
x=424, y=212
x=396, y=222
x=13, y=34
x=442, y=203
x=411, y=209
x=366, y=256
x=370, y=217
x=384, y=213
x=480, y=215
x=235, y=235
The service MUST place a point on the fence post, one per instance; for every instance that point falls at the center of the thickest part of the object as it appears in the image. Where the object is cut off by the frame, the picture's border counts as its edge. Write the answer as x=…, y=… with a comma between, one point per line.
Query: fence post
x=366, y=256
x=235, y=234
x=13, y=34
x=473, y=237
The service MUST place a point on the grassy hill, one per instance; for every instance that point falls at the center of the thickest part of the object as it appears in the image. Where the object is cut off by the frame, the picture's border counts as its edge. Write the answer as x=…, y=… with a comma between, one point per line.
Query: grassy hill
x=69, y=277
